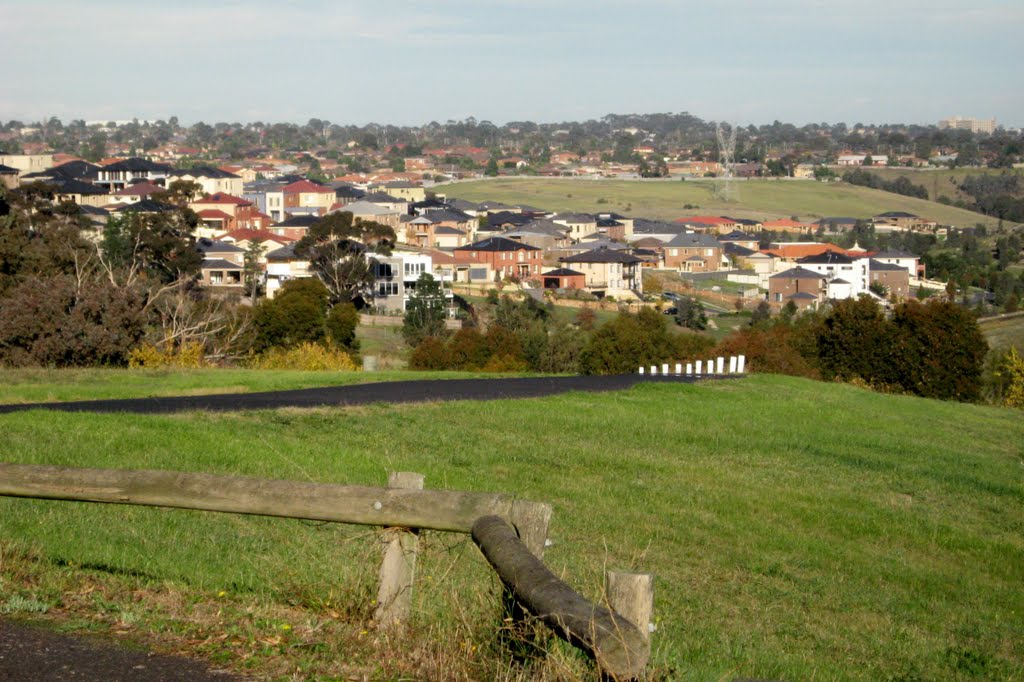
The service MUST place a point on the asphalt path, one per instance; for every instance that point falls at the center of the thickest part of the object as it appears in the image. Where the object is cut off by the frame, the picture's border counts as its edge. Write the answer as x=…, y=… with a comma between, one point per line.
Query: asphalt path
x=30, y=654
x=359, y=394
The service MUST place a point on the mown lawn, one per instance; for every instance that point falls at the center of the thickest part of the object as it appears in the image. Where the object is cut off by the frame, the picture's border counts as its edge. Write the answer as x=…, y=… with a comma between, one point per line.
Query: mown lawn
x=797, y=530
x=1004, y=332
x=759, y=198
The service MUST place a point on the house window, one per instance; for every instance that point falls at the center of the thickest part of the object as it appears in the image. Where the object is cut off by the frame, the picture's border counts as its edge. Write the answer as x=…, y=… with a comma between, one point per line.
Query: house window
x=387, y=289
x=778, y=298
x=709, y=252
x=413, y=269
x=384, y=270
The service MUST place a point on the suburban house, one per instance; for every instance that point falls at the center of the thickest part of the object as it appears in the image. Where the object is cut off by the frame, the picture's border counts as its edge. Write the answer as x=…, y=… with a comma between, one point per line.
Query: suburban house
x=847, y=276
x=894, y=278
x=284, y=265
x=212, y=180
x=438, y=229
x=137, y=192
x=710, y=223
x=787, y=225
x=405, y=190
x=608, y=272
x=222, y=264
x=805, y=288
x=305, y=197
x=295, y=227
x=222, y=212
x=544, y=234
x=267, y=241
x=563, y=278
x=901, y=220
x=908, y=261
x=693, y=252
x=364, y=210
x=120, y=174
x=506, y=257
x=579, y=224
x=740, y=238
x=836, y=224
x=27, y=163
x=861, y=160
x=78, y=192
x=395, y=278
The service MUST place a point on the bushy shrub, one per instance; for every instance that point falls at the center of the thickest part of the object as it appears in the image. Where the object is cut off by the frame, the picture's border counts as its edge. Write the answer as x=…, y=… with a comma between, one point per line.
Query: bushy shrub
x=633, y=340
x=189, y=355
x=431, y=354
x=774, y=349
x=305, y=356
x=341, y=325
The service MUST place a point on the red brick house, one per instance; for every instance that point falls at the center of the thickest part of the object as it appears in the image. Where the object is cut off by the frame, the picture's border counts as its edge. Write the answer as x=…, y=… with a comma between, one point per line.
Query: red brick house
x=506, y=257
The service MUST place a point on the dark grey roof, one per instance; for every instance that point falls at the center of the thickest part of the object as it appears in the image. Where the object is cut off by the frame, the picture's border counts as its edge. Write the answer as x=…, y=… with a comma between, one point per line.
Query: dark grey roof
x=202, y=172
x=608, y=222
x=76, y=169
x=611, y=215
x=146, y=206
x=286, y=252
x=400, y=184
x=803, y=295
x=444, y=229
x=381, y=197
x=837, y=220
x=72, y=186
x=298, y=221
x=891, y=267
x=645, y=226
x=575, y=217
x=463, y=205
x=602, y=255
x=743, y=221
x=737, y=236
x=826, y=258
x=561, y=272
x=694, y=239
x=798, y=273
x=441, y=214
x=93, y=211
x=737, y=250
x=205, y=245
x=541, y=227
x=491, y=205
x=219, y=263
x=895, y=214
x=7, y=170
x=508, y=218
x=497, y=244
x=348, y=192
x=838, y=280
x=136, y=165
x=894, y=254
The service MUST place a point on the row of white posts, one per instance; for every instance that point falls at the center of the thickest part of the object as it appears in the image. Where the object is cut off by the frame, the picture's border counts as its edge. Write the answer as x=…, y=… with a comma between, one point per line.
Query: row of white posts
x=714, y=367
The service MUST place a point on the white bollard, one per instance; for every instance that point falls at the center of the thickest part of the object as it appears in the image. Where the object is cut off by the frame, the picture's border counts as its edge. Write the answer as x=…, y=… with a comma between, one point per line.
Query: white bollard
x=664, y=369
x=641, y=370
x=700, y=364
x=679, y=369
x=732, y=364
x=721, y=365
x=710, y=366
x=689, y=369
x=654, y=370
x=740, y=362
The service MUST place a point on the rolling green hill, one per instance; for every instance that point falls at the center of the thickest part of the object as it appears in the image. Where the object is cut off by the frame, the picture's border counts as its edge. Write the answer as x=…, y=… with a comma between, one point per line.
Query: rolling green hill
x=663, y=199
x=797, y=530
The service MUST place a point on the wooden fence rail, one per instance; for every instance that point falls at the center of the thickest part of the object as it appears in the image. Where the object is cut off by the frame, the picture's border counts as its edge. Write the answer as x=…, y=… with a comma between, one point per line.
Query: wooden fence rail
x=511, y=534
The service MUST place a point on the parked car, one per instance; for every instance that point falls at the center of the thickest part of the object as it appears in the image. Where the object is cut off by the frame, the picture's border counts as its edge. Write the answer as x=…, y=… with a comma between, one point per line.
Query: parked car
x=670, y=296
x=671, y=311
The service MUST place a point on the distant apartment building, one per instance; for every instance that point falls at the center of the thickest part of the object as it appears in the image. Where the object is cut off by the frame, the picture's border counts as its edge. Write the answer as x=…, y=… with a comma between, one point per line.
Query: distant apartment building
x=975, y=125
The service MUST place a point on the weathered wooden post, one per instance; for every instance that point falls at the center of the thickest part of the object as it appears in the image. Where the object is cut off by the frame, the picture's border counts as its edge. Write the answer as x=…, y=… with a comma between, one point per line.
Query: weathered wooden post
x=394, y=597
x=631, y=595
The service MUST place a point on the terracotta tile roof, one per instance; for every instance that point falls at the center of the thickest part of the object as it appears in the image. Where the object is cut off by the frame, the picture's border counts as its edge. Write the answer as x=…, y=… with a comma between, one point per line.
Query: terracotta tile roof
x=214, y=214
x=706, y=220
x=306, y=187
x=802, y=250
x=246, y=234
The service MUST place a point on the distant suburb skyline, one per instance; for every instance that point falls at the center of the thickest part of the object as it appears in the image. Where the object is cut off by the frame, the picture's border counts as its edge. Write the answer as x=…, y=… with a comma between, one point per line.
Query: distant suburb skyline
x=408, y=63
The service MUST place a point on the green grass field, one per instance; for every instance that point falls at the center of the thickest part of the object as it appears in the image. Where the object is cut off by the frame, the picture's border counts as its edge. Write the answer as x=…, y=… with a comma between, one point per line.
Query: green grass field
x=797, y=530
x=760, y=199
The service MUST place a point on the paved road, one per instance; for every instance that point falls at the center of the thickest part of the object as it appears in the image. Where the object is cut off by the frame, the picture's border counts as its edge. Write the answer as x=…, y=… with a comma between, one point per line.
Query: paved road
x=360, y=394
x=29, y=654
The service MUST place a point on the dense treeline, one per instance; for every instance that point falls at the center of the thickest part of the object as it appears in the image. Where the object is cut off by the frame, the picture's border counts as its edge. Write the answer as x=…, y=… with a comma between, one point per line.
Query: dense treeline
x=900, y=185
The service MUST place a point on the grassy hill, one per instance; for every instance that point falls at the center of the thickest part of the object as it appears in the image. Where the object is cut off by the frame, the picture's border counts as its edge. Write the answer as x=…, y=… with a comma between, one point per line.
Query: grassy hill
x=758, y=198
x=940, y=181
x=1003, y=332
x=798, y=530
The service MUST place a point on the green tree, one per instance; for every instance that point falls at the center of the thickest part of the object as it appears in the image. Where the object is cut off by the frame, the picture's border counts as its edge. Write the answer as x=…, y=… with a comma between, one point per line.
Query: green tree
x=492, y=167
x=341, y=324
x=690, y=314
x=633, y=340
x=340, y=250
x=855, y=341
x=425, y=312
x=252, y=270
x=295, y=315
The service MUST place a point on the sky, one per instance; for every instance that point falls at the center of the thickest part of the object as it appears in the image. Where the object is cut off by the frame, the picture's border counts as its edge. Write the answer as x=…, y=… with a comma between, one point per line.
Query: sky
x=409, y=62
